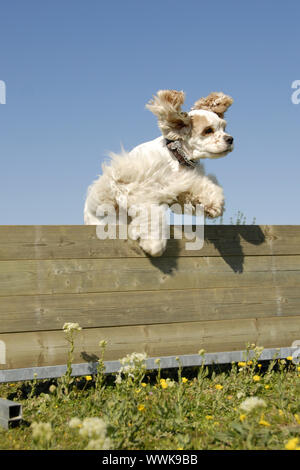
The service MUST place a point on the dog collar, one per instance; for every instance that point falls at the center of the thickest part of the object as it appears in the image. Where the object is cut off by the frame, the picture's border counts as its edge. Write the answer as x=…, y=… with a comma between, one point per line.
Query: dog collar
x=175, y=148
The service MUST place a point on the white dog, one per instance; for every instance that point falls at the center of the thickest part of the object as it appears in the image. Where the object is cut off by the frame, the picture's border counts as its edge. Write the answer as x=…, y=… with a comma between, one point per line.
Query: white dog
x=166, y=170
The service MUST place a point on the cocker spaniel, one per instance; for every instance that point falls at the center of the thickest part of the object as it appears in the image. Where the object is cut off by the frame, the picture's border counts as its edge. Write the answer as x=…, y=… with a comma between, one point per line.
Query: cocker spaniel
x=166, y=170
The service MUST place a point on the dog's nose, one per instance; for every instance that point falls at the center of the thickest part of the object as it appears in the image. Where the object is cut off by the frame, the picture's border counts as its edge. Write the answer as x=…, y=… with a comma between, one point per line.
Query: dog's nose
x=228, y=139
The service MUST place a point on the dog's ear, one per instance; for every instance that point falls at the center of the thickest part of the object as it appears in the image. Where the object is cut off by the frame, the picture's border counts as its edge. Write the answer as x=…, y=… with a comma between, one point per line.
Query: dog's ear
x=216, y=102
x=166, y=105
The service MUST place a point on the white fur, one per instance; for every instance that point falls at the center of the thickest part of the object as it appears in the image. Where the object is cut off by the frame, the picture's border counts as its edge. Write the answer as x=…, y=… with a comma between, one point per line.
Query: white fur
x=151, y=176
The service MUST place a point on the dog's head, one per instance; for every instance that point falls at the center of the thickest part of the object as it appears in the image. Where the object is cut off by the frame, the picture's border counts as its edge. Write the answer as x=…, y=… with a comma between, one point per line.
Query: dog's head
x=202, y=130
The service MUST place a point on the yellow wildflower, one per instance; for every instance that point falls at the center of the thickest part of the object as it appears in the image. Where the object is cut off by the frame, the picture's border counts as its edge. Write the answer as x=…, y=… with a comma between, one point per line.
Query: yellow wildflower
x=218, y=387
x=184, y=380
x=249, y=363
x=256, y=378
x=208, y=417
x=141, y=407
x=259, y=366
x=290, y=358
x=264, y=422
x=143, y=384
x=229, y=397
x=88, y=377
x=297, y=418
x=242, y=417
x=298, y=368
x=163, y=383
x=292, y=444
x=242, y=364
x=267, y=386
x=280, y=412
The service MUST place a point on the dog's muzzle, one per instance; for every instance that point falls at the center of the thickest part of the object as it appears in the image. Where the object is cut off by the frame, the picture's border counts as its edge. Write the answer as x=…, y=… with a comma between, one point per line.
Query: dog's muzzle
x=228, y=139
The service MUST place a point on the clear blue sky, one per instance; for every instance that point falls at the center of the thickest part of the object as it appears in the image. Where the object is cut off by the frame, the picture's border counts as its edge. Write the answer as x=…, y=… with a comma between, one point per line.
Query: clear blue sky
x=78, y=75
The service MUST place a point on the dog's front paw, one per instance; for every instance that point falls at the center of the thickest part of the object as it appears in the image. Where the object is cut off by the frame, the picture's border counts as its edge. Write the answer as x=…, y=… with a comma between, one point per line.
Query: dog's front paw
x=153, y=247
x=214, y=210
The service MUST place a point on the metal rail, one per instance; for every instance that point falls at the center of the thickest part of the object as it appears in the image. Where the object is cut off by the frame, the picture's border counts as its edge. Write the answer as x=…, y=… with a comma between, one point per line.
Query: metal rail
x=90, y=368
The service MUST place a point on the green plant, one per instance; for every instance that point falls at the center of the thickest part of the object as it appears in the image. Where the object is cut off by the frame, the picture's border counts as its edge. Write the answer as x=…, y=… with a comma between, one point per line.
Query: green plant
x=65, y=382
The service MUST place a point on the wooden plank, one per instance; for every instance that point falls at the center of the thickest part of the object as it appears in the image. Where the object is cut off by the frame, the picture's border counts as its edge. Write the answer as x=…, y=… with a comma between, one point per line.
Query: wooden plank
x=67, y=242
x=50, y=312
x=33, y=277
x=50, y=348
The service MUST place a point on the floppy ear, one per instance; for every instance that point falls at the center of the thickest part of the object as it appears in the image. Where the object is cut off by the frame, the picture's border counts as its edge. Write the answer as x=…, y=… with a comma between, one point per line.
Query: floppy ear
x=166, y=105
x=216, y=102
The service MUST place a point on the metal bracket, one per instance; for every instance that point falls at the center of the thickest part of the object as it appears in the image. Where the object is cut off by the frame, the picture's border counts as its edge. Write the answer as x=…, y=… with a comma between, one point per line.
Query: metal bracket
x=10, y=413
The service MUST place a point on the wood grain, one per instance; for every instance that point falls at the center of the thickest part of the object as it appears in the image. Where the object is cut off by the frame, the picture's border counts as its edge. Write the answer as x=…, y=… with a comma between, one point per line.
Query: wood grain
x=79, y=241
x=241, y=287
x=46, y=348
x=50, y=312
x=33, y=277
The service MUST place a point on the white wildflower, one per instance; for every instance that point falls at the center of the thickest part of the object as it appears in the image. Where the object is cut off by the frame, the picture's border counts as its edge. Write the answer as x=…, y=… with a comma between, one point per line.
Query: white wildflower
x=94, y=428
x=170, y=382
x=68, y=327
x=118, y=379
x=252, y=402
x=128, y=370
x=74, y=423
x=139, y=357
x=99, y=444
x=132, y=366
x=134, y=358
x=41, y=431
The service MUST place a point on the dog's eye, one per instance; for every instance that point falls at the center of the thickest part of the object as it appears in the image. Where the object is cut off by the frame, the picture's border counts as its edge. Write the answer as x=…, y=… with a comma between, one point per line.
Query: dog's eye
x=208, y=130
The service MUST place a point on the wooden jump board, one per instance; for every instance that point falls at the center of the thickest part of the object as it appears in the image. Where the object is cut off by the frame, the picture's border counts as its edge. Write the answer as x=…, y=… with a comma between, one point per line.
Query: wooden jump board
x=241, y=287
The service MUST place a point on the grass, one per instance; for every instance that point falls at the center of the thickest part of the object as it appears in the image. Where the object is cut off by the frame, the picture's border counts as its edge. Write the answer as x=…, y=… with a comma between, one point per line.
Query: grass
x=195, y=408
x=238, y=219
